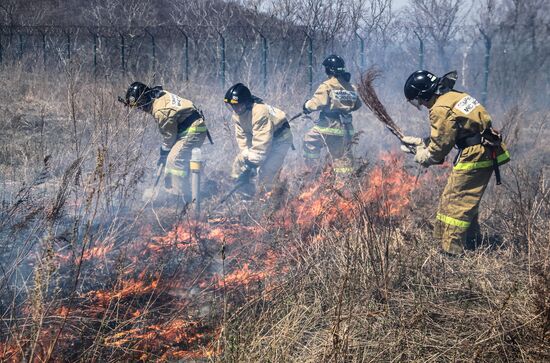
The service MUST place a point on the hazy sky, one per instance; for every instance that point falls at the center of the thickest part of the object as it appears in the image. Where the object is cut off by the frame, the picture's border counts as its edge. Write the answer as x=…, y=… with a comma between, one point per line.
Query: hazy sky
x=399, y=3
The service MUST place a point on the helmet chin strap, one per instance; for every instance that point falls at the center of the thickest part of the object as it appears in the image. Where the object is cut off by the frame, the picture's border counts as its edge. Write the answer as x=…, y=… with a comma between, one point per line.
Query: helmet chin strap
x=147, y=107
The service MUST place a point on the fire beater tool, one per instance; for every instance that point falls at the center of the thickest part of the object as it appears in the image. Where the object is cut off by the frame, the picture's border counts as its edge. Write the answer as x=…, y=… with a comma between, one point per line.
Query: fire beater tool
x=295, y=116
x=228, y=195
x=158, y=174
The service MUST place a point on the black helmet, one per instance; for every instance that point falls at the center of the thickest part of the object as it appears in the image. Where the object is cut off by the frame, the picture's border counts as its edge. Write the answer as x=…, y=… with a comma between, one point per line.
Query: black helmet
x=138, y=95
x=334, y=65
x=421, y=85
x=238, y=94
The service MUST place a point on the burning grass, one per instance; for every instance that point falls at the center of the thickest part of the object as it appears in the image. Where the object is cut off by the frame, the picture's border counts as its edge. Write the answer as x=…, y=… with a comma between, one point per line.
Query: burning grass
x=339, y=273
x=338, y=270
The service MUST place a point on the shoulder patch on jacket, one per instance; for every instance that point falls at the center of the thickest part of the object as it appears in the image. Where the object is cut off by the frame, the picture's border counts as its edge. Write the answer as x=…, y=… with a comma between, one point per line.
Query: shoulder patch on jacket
x=466, y=104
x=271, y=111
x=175, y=100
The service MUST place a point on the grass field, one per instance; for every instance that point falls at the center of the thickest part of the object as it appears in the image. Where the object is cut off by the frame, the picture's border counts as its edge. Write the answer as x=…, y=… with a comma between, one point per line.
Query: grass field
x=340, y=271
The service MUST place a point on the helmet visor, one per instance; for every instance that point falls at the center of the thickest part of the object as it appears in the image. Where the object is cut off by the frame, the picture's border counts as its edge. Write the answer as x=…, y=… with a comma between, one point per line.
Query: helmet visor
x=131, y=101
x=228, y=106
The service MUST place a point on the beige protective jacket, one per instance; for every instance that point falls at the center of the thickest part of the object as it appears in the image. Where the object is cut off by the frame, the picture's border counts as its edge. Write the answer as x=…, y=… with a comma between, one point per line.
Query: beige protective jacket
x=171, y=111
x=254, y=131
x=455, y=116
x=333, y=97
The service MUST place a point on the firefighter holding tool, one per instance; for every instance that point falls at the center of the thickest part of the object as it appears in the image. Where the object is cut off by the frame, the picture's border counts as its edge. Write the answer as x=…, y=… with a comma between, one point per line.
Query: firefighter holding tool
x=456, y=120
x=264, y=137
x=182, y=128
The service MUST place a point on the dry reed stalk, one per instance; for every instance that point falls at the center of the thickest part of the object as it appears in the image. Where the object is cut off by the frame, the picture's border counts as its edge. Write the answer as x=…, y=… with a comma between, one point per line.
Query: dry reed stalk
x=370, y=98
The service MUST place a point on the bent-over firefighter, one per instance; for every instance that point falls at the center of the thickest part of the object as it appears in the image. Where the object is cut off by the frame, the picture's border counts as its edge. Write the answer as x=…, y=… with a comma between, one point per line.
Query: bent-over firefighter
x=263, y=136
x=456, y=120
x=182, y=128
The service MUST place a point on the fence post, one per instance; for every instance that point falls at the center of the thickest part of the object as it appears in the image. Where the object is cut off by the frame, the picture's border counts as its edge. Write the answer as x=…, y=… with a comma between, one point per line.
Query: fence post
x=153, y=50
x=487, y=62
x=264, y=60
x=43, y=48
x=95, y=54
x=10, y=41
x=420, y=51
x=20, y=35
x=185, y=55
x=310, y=62
x=361, y=50
x=68, y=45
x=122, y=61
x=222, y=65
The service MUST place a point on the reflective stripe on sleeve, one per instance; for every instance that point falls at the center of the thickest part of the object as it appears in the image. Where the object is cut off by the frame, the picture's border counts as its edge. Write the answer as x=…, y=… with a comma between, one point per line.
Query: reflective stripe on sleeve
x=452, y=221
x=502, y=158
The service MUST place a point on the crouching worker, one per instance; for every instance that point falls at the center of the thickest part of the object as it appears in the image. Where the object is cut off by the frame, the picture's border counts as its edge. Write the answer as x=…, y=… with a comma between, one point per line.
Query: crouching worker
x=456, y=119
x=263, y=136
x=182, y=128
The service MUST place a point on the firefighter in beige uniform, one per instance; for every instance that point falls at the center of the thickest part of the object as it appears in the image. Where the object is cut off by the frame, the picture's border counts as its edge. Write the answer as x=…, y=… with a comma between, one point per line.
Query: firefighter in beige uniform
x=336, y=98
x=263, y=136
x=182, y=128
x=456, y=119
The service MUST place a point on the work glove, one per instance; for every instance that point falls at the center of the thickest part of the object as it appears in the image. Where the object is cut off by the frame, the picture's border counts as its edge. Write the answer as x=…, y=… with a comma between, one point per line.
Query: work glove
x=163, y=156
x=423, y=156
x=413, y=141
x=305, y=110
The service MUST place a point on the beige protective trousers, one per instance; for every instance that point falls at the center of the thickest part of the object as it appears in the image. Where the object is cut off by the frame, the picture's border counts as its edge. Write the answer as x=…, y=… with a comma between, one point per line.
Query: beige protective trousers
x=271, y=166
x=338, y=145
x=176, y=172
x=457, y=223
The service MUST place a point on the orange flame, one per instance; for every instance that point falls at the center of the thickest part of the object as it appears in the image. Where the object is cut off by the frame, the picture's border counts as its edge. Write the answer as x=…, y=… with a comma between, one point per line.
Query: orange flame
x=248, y=260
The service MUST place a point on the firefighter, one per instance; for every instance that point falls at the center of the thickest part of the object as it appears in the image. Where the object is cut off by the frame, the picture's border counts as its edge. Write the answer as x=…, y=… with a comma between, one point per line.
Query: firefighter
x=182, y=128
x=336, y=98
x=456, y=120
x=263, y=136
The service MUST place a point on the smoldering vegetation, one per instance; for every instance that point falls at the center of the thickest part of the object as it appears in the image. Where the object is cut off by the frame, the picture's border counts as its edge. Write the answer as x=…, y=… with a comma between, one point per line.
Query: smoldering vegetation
x=331, y=270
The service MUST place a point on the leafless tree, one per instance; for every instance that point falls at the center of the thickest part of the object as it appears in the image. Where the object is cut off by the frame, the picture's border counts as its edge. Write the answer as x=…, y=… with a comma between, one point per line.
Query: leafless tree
x=517, y=32
x=372, y=17
x=437, y=20
x=138, y=13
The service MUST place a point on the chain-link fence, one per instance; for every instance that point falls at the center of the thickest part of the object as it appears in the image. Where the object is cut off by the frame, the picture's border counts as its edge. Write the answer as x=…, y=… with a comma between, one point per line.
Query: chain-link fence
x=201, y=53
x=264, y=59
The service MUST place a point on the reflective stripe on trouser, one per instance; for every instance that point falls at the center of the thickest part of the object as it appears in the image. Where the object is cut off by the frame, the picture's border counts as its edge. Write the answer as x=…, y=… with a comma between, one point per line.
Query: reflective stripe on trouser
x=456, y=223
x=335, y=141
x=176, y=172
x=270, y=168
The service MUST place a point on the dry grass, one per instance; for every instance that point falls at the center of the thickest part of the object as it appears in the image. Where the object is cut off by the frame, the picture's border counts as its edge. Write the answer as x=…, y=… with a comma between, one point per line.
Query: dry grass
x=89, y=272
x=368, y=289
